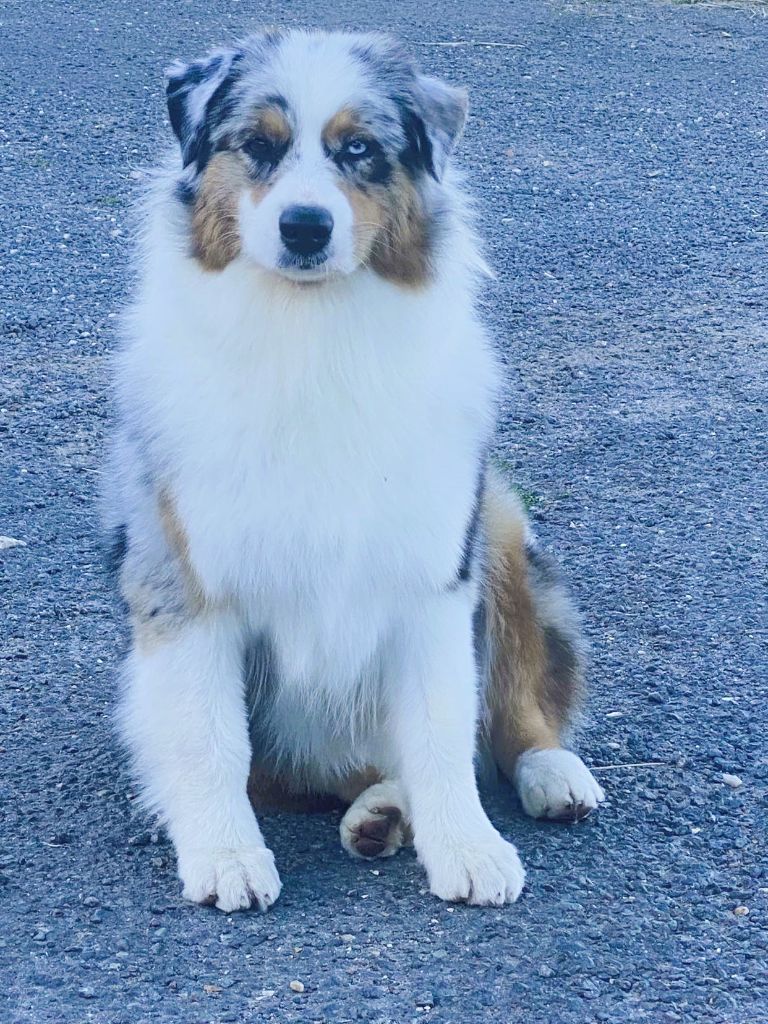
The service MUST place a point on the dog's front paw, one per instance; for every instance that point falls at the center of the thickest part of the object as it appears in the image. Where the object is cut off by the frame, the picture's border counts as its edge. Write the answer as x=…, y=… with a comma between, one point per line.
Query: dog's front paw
x=485, y=871
x=232, y=879
x=556, y=784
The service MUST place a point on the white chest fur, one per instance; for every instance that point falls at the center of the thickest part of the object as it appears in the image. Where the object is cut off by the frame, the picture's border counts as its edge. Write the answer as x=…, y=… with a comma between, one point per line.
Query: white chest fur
x=322, y=449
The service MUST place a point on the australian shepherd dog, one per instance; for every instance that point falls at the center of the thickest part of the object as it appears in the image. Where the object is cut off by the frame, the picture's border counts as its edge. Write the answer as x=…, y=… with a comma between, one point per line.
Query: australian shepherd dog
x=331, y=591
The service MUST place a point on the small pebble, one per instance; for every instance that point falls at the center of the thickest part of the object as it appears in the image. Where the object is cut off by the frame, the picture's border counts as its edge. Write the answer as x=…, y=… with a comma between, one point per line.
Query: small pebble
x=11, y=542
x=732, y=780
x=86, y=992
x=741, y=911
x=296, y=986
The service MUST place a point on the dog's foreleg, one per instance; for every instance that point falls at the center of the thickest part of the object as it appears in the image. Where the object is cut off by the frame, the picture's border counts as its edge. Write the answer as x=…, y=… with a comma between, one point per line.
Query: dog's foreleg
x=184, y=717
x=433, y=716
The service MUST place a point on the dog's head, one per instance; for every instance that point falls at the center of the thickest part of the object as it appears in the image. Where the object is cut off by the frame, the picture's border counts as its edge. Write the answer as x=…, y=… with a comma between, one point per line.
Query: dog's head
x=312, y=154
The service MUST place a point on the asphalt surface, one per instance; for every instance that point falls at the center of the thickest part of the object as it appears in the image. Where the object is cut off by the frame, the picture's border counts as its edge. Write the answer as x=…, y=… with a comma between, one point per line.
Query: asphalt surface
x=619, y=156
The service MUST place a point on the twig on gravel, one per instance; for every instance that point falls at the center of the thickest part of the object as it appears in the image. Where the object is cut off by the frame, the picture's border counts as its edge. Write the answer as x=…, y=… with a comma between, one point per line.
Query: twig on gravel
x=753, y=6
x=473, y=42
x=633, y=764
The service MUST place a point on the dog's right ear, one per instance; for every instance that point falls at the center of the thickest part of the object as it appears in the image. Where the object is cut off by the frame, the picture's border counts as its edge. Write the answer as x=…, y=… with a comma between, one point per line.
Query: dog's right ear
x=194, y=93
x=440, y=112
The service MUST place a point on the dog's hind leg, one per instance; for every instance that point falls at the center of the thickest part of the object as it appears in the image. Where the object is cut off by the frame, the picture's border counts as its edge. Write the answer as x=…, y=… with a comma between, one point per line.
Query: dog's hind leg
x=376, y=824
x=536, y=668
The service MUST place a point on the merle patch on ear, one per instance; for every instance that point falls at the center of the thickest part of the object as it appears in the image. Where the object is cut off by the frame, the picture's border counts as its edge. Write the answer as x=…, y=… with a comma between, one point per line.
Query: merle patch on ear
x=433, y=120
x=197, y=99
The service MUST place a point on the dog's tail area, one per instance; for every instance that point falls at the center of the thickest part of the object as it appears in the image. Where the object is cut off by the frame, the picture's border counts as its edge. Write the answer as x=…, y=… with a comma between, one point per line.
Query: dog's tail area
x=536, y=652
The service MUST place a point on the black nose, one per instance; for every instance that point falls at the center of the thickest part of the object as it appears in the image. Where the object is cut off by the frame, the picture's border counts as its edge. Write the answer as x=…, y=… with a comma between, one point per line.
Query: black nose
x=305, y=230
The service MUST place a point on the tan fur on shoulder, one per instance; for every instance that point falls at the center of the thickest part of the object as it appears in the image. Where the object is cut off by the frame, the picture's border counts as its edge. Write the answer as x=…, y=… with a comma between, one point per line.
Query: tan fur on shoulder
x=177, y=538
x=162, y=600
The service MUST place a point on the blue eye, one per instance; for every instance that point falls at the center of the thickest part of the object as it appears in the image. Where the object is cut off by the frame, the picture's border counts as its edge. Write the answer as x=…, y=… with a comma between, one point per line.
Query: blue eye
x=356, y=148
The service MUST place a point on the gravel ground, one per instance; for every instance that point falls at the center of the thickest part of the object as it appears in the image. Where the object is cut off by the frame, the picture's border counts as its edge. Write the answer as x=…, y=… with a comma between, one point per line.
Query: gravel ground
x=619, y=155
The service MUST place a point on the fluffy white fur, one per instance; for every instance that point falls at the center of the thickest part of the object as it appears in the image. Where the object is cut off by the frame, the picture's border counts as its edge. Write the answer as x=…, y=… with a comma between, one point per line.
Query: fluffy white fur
x=321, y=448
x=556, y=784
x=324, y=448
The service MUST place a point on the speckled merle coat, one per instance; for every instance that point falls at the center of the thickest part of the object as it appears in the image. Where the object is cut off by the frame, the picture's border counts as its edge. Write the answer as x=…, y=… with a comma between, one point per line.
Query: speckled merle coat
x=312, y=544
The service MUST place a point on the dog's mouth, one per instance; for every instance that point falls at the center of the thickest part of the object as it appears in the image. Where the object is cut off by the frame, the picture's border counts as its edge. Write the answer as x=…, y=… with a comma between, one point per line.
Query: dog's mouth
x=305, y=268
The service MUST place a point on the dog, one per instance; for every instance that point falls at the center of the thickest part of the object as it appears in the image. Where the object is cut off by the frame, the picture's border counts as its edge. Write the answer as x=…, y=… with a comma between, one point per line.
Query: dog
x=330, y=588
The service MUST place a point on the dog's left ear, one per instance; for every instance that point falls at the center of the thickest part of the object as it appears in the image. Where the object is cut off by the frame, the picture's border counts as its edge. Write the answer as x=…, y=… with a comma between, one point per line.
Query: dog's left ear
x=440, y=114
x=193, y=91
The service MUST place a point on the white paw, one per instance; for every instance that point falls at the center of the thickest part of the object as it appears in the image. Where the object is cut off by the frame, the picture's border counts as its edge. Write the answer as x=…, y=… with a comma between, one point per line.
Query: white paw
x=556, y=784
x=374, y=826
x=484, y=872
x=232, y=879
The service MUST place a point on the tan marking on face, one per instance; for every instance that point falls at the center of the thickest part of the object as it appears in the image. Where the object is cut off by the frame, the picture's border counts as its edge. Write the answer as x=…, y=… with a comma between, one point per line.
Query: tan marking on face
x=368, y=219
x=215, y=234
x=271, y=123
x=401, y=251
x=344, y=123
x=391, y=230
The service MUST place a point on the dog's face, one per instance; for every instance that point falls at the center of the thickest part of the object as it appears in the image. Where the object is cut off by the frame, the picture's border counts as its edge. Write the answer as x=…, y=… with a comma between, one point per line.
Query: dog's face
x=311, y=155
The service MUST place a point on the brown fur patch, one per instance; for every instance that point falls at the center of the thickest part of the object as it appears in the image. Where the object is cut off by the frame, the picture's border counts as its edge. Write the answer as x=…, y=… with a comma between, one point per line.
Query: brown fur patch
x=531, y=691
x=402, y=251
x=163, y=599
x=177, y=538
x=343, y=123
x=271, y=123
x=368, y=216
x=268, y=791
x=351, y=786
x=215, y=234
x=392, y=231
